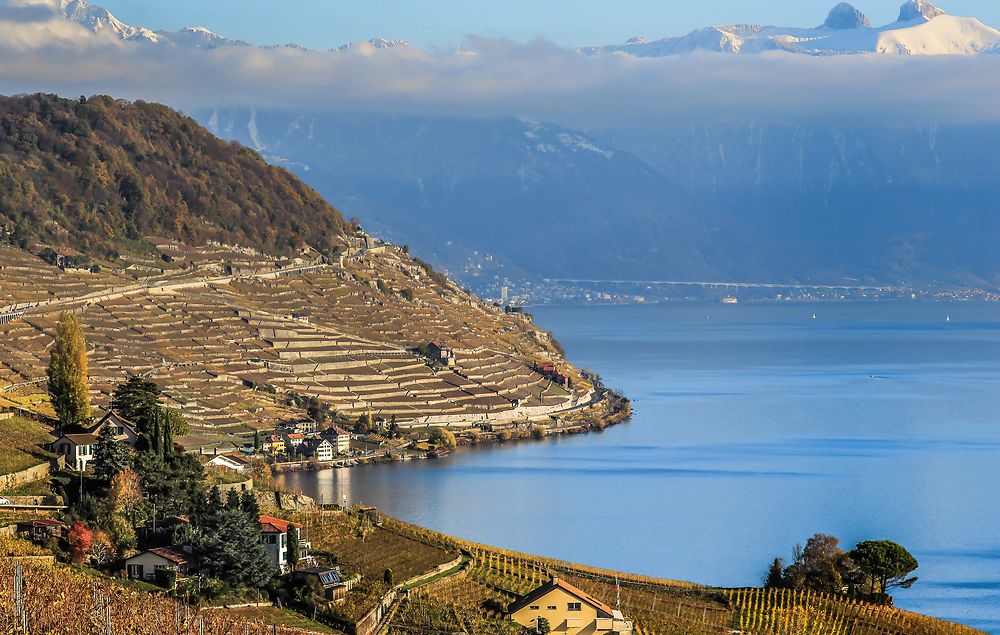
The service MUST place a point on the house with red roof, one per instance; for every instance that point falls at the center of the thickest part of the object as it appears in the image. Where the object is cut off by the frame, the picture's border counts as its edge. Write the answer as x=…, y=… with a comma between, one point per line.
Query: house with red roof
x=143, y=566
x=41, y=529
x=275, y=534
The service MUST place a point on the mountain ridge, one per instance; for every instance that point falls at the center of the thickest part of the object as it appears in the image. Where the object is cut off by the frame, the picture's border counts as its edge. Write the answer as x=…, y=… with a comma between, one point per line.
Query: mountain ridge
x=921, y=29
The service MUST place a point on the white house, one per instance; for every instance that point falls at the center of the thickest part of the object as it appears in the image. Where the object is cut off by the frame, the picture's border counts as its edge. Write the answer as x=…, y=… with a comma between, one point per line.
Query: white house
x=320, y=449
x=232, y=462
x=294, y=439
x=77, y=448
x=144, y=566
x=274, y=533
x=125, y=431
x=340, y=438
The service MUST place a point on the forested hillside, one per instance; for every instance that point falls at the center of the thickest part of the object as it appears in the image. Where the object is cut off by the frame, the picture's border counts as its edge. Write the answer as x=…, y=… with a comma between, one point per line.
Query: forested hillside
x=99, y=174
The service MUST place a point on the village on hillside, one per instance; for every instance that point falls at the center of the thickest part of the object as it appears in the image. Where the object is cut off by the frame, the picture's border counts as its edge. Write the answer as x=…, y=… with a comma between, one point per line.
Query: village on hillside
x=113, y=493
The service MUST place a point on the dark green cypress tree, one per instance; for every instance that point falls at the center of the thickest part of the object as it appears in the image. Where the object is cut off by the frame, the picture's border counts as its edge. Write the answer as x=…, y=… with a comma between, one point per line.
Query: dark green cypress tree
x=156, y=437
x=168, y=440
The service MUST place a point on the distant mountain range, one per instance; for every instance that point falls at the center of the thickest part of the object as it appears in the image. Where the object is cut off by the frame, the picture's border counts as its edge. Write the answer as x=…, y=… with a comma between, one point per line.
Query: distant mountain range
x=791, y=202
x=921, y=29
x=102, y=21
x=805, y=203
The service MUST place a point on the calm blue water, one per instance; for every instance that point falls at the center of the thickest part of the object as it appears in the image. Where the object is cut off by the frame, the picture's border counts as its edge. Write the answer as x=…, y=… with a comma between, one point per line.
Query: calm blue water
x=755, y=427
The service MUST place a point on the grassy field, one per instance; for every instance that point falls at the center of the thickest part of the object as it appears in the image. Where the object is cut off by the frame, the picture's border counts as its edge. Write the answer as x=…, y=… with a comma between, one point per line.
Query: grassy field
x=279, y=617
x=19, y=444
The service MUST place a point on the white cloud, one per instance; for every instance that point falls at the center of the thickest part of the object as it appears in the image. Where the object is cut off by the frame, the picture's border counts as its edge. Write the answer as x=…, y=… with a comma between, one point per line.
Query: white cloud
x=535, y=80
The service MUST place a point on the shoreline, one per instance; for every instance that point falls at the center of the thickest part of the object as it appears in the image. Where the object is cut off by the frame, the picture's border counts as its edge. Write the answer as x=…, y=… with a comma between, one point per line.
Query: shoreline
x=612, y=409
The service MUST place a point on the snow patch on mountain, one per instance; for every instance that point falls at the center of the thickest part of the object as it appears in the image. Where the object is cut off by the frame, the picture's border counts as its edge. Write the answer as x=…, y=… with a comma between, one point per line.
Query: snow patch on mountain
x=374, y=43
x=922, y=29
x=917, y=10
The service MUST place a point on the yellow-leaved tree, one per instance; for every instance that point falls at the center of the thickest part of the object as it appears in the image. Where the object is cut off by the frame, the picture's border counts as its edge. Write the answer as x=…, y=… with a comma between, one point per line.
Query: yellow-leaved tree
x=67, y=373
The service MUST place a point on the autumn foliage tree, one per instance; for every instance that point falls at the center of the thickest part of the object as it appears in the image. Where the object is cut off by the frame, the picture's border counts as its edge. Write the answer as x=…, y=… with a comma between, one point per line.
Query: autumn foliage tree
x=80, y=541
x=67, y=373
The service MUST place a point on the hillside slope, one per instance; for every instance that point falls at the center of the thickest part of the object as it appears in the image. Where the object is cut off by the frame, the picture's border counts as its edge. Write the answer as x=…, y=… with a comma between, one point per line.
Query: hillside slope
x=96, y=173
x=257, y=298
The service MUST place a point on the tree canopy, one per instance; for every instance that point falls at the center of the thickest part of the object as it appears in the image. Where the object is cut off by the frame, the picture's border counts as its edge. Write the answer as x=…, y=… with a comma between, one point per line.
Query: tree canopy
x=886, y=564
x=110, y=455
x=99, y=174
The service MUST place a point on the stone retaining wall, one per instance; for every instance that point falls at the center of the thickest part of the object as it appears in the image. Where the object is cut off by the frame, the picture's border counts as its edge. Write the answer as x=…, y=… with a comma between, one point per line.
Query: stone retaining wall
x=30, y=475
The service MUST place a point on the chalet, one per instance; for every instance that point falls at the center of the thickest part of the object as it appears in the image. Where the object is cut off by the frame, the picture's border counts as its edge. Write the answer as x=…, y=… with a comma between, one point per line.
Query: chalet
x=334, y=588
x=40, y=530
x=77, y=448
x=440, y=352
x=339, y=438
x=231, y=461
x=125, y=431
x=143, y=566
x=320, y=449
x=568, y=611
x=274, y=535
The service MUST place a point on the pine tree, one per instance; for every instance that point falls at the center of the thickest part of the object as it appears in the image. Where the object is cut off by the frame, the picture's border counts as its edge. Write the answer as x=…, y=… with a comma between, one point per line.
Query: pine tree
x=110, y=455
x=214, y=499
x=775, y=575
x=249, y=504
x=67, y=373
x=232, y=550
x=233, y=500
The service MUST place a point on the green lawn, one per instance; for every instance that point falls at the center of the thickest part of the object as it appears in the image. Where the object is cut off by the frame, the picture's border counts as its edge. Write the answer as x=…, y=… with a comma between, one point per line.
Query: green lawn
x=282, y=617
x=20, y=441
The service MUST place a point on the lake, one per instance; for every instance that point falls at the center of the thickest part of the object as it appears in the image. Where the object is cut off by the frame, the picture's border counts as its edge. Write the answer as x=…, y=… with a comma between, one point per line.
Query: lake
x=755, y=426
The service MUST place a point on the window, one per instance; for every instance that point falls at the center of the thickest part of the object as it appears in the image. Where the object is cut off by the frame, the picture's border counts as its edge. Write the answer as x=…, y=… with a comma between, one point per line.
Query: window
x=550, y=608
x=533, y=608
x=573, y=606
x=135, y=571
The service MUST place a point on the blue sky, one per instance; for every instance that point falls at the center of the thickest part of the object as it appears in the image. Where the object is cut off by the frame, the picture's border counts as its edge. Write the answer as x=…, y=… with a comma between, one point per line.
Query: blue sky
x=444, y=23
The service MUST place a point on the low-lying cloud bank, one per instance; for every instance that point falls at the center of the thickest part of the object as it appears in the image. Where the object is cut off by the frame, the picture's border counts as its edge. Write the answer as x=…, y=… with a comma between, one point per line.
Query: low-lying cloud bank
x=41, y=52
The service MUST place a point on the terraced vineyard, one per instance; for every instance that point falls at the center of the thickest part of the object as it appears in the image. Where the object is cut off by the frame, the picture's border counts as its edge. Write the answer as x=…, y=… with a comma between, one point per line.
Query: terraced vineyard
x=787, y=612
x=494, y=577
x=55, y=600
x=231, y=334
x=372, y=550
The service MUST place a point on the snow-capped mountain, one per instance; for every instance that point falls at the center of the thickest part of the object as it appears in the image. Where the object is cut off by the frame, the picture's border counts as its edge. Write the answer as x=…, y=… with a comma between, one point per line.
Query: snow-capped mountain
x=377, y=43
x=103, y=22
x=921, y=29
